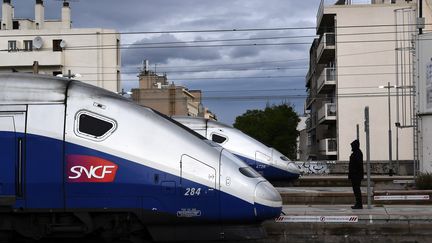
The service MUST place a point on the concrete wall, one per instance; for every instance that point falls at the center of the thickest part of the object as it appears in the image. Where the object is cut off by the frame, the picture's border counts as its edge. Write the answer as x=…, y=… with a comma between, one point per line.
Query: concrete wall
x=163, y=101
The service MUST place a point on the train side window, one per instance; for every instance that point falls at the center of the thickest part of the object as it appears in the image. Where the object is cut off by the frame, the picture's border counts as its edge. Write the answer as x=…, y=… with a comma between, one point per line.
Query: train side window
x=93, y=126
x=218, y=138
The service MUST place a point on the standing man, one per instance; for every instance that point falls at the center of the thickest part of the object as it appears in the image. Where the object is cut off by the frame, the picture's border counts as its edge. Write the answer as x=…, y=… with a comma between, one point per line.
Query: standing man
x=355, y=173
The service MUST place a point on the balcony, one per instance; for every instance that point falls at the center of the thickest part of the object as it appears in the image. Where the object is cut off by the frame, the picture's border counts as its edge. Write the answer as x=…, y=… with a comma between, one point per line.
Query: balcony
x=320, y=12
x=308, y=124
x=26, y=58
x=310, y=99
x=325, y=18
x=327, y=80
x=328, y=146
x=327, y=113
x=326, y=48
x=308, y=78
x=311, y=122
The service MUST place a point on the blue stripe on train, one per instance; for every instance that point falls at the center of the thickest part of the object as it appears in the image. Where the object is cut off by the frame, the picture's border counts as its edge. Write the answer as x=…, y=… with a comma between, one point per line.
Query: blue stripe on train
x=135, y=187
x=268, y=171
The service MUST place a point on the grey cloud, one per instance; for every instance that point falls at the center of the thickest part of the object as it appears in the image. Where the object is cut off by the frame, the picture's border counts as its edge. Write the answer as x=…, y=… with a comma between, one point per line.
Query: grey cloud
x=163, y=55
x=240, y=52
x=153, y=15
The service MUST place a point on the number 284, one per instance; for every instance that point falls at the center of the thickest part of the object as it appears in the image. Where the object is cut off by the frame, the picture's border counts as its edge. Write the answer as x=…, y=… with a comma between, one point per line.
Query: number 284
x=192, y=191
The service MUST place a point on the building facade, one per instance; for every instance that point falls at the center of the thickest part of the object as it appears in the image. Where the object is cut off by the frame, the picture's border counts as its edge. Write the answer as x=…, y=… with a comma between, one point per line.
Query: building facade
x=424, y=67
x=302, y=139
x=155, y=92
x=362, y=57
x=53, y=47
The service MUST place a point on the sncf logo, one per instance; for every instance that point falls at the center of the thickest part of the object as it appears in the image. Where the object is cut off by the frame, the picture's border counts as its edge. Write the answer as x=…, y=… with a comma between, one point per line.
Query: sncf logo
x=82, y=168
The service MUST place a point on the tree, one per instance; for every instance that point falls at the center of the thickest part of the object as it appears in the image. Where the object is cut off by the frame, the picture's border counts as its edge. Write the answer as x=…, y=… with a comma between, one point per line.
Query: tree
x=275, y=126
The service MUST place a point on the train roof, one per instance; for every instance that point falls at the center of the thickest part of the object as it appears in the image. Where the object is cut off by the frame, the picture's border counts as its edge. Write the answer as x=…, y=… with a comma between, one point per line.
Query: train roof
x=22, y=88
x=19, y=88
x=200, y=122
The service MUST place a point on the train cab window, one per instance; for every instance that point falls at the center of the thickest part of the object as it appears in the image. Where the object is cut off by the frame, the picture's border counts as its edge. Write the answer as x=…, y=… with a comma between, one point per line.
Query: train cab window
x=218, y=138
x=249, y=172
x=284, y=158
x=94, y=126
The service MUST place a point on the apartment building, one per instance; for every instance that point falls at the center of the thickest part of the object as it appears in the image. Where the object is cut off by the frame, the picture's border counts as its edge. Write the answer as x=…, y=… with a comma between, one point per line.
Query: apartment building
x=156, y=92
x=424, y=71
x=362, y=57
x=53, y=47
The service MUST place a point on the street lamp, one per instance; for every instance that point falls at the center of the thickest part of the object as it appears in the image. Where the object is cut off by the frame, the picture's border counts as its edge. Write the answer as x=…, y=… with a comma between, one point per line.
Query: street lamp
x=388, y=87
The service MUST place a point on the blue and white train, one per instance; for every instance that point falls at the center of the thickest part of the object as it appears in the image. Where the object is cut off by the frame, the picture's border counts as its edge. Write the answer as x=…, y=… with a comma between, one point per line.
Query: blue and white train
x=76, y=159
x=269, y=162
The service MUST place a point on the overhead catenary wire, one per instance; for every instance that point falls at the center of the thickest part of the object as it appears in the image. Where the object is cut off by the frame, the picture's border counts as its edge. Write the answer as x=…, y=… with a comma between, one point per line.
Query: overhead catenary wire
x=233, y=40
x=277, y=68
x=281, y=76
x=213, y=30
x=161, y=66
x=279, y=90
x=283, y=97
x=223, y=45
x=72, y=48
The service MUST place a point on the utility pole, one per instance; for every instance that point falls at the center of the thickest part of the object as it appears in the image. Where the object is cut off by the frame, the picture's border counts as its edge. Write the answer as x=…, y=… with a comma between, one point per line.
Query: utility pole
x=390, y=132
x=358, y=132
x=420, y=15
x=368, y=170
x=388, y=87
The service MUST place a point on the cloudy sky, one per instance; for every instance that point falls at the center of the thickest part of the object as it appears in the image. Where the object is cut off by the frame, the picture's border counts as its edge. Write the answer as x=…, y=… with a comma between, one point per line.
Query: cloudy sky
x=236, y=70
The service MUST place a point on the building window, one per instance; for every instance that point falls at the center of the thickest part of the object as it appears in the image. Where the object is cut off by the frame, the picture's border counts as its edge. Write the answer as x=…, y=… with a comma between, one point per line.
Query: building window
x=12, y=46
x=28, y=45
x=15, y=25
x=56, y=45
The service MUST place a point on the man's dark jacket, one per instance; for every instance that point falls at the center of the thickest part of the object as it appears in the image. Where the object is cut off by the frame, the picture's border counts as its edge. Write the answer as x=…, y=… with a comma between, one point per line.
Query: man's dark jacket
x=356, y=162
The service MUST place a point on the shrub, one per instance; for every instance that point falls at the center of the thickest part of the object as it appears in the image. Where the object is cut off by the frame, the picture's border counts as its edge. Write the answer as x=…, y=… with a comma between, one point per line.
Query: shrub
x=424, y=181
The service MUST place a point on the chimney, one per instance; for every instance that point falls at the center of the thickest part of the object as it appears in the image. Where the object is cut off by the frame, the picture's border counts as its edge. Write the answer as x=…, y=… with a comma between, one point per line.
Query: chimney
x=7, y=15
x=39, y=14
x=146, y=65
x=66, y=16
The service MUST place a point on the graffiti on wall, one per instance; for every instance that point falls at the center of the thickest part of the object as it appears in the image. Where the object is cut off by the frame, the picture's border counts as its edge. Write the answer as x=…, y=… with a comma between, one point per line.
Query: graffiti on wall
x=315, y=167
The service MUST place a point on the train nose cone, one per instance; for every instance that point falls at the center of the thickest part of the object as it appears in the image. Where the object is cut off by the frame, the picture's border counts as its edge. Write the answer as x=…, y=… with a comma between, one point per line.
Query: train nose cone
x=293, y=168
x=268, y=201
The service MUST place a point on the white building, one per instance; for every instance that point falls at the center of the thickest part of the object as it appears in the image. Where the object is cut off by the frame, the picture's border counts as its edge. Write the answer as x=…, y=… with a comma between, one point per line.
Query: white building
x=361, y=47
x=302, y=139
x=93, y=53
x=424, y=67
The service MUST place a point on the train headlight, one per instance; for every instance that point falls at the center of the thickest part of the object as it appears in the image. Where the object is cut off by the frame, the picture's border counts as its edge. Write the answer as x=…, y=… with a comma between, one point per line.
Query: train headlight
x=266, y=194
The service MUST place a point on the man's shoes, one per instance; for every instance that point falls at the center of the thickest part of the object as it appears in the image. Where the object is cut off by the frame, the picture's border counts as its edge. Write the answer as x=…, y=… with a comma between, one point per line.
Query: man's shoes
x=357, y=207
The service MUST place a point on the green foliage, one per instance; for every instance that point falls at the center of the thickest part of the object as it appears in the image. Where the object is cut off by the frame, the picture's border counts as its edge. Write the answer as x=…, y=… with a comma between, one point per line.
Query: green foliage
x=424, y=181
x=275, y=126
